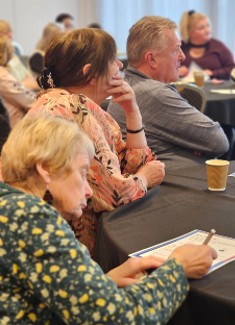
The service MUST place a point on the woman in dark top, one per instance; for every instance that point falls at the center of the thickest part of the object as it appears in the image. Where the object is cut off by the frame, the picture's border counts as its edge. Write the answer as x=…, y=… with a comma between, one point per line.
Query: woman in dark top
x=210, y=54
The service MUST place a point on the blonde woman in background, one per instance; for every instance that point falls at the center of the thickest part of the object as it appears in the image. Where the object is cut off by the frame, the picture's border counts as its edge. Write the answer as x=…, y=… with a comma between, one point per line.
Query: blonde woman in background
x=36, y=61
x=15, y=97
x=17, y=68
x=200, y=47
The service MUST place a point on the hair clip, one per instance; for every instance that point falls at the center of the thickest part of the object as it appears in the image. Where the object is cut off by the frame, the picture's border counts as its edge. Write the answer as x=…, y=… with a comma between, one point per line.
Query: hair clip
x=50, y=81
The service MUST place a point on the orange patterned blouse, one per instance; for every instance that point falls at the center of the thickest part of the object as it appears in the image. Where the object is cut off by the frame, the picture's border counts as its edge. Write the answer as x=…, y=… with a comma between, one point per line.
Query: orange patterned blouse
x=112, y=170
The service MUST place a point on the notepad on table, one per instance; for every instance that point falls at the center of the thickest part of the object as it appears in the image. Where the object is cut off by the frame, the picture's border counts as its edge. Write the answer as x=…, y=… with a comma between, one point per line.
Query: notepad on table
x=225, y=247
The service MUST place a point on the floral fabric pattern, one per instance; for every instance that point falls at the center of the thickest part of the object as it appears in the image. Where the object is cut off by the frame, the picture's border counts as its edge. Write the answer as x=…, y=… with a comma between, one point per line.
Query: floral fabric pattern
x=47, y=276
x=111, y=173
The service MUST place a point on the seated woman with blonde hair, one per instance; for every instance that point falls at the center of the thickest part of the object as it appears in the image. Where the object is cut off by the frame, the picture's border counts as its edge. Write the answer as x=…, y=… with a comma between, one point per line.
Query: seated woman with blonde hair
x=200, y=47
x=47, y=276
x=15, y=65
x=15, y=97
x=81, y=72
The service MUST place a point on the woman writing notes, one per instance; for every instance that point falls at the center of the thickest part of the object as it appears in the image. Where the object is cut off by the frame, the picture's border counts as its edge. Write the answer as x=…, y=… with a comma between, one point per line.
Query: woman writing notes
x=210, y=54
x=47, y=276
x=81, y=71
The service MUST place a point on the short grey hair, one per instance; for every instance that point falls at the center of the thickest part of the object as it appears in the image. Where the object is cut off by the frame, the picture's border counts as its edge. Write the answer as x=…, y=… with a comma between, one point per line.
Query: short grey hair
x=147, y=33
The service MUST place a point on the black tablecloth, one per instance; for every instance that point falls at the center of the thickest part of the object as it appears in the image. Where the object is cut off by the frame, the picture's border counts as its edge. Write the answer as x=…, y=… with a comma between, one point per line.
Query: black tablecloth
x=182, y=203
x=220, y=107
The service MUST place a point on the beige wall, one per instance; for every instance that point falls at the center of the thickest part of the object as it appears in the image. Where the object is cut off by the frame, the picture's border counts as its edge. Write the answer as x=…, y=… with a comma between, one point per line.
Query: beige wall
x=28, y=17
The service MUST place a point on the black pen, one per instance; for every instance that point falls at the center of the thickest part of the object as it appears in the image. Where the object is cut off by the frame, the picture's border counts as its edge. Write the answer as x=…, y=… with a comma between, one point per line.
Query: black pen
x=209, y=236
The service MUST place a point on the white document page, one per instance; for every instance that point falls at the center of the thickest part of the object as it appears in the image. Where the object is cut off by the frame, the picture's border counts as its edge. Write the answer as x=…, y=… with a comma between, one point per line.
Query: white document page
x=225, y=247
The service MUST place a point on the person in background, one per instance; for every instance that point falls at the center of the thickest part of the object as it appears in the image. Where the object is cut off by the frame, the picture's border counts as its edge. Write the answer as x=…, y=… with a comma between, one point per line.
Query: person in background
x=94, y=25
x=48, y=276
x=81, y=71
x=6, y=30
x=66, y=20
x=17, y=68
x=200, y=47
x=176, y=131
x=15, y=97
x=36, y=60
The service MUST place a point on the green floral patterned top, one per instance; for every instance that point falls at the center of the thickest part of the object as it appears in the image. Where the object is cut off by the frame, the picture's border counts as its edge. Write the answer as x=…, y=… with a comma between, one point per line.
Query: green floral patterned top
x=47, y=276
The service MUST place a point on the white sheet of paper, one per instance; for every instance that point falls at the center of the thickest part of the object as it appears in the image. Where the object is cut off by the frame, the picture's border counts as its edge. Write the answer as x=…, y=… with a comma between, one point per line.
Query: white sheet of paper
x=225, y=247
x=223, y=91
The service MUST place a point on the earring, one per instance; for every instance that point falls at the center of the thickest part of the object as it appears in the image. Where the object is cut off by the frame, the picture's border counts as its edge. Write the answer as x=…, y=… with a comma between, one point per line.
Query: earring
x=48, y=197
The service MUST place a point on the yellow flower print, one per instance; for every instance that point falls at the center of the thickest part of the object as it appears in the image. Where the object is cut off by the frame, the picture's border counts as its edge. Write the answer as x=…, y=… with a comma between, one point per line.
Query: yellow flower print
x=101, y=302
x=74, y=300
x=34, y=209
x=39, y=267
x=82, y=268
x=111, y=308
x=73, y=253
x=84, y=298
x=22, y=243
x=23, y=257
x=32, y=317
x=66, y=314
x=15, y=268
x=20, y=314
x=36, y=231
x=60, y=233
x=50, y=228
x=13, y=226
x=63, y=273
x=152, y=311
x=45, y=236
x=47, y=279
x=21, y=204
x=63, y=294
x=51, y=249
x=38, y=253
x=2, y=252
x=54, y=268
x=44, y=293
x=3, y=202
x=3, y=219
x=22, y=276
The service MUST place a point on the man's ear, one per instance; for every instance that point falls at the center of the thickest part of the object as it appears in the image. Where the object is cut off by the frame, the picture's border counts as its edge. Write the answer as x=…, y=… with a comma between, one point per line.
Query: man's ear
x=151, y=59
x=43, y=172
x=85, y=70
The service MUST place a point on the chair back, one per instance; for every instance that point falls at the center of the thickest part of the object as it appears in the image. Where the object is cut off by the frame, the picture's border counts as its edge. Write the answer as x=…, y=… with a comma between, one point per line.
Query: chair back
x=193, y=94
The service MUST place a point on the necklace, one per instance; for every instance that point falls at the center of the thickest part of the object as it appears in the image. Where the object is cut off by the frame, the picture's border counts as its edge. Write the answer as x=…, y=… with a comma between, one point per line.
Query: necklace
x=198, y=46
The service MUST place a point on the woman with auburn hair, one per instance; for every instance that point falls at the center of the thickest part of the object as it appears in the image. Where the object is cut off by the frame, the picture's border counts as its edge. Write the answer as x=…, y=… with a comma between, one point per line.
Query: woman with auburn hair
x=47, y=276
x=81, y=72
x=200, y=47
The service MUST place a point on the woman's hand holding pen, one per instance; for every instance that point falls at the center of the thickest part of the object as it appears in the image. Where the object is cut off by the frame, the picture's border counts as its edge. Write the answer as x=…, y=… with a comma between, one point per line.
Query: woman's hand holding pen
x=195, y=259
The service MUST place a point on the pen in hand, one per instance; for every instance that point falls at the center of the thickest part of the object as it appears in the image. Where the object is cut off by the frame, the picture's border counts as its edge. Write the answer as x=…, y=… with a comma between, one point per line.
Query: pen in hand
x=209, y=236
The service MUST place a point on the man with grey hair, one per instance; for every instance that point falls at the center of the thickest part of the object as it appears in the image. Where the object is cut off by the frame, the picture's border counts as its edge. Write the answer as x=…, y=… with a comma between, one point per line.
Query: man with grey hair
x=175, y=130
